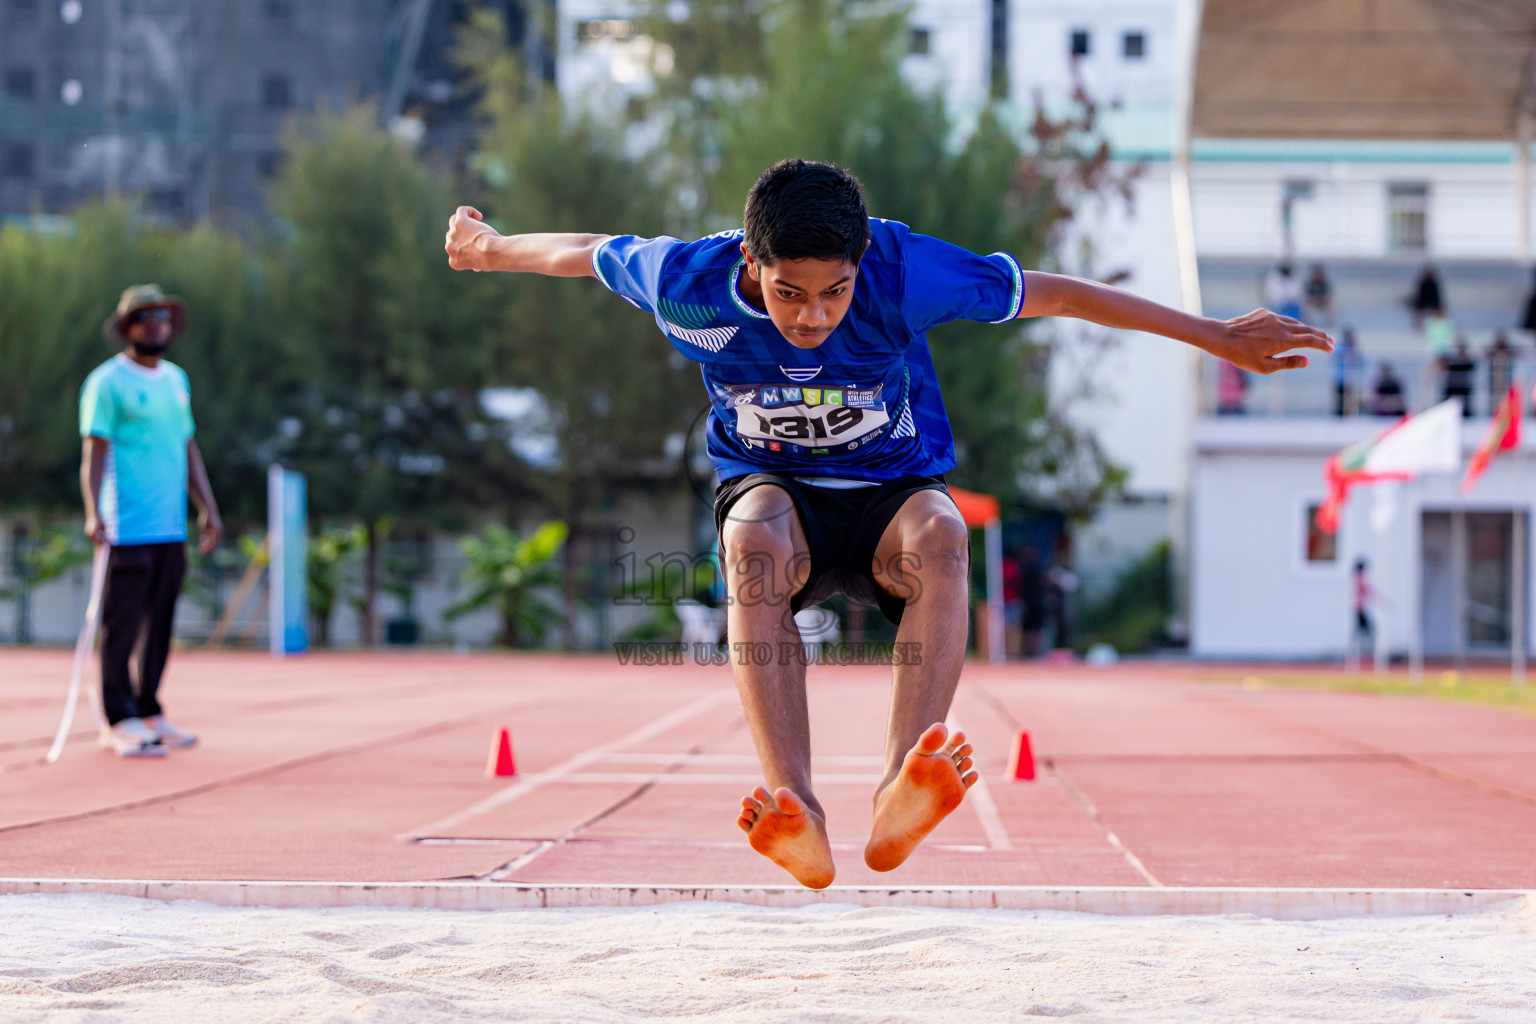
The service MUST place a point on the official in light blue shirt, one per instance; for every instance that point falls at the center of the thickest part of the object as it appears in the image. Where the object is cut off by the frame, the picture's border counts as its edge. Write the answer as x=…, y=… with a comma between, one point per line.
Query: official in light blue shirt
x=138, y=466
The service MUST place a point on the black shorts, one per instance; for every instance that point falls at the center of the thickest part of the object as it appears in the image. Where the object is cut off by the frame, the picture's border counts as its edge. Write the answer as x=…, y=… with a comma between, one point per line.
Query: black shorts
x=842, y=527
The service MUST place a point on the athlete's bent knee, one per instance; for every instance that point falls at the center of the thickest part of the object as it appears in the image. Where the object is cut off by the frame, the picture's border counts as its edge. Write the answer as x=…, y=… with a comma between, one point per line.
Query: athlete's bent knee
x=940, y=539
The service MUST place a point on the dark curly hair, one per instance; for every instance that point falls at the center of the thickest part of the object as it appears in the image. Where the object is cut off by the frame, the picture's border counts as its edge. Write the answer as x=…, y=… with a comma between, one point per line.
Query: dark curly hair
x=803, y=209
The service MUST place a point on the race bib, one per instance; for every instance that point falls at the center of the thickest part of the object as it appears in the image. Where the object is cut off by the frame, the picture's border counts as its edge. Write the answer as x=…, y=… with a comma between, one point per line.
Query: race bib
x=814, y=421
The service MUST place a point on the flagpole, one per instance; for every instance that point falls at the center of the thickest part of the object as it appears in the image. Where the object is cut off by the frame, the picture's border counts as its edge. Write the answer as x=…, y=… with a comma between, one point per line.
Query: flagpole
x=1416, y=622
x=1517, y=586
x=1459, y=591
x=1379, y=654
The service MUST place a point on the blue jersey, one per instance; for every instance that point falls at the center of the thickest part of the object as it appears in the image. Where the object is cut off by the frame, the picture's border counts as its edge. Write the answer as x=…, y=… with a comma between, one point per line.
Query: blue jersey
x=865, y=403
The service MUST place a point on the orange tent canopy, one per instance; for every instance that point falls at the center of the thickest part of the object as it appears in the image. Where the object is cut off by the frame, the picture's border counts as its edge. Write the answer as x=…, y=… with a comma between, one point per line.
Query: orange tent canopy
x=976, y=509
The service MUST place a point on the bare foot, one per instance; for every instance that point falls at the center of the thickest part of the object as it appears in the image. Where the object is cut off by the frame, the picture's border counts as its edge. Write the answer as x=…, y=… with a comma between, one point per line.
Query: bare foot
x=933, y=779
x=780, y=827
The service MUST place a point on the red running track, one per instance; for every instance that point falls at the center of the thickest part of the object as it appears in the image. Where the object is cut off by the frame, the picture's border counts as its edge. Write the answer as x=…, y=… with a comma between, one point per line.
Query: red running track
x=370, y=767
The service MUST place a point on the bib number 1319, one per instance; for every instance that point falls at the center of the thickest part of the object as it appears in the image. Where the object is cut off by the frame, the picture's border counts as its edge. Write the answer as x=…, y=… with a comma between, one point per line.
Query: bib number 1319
x=808, y=426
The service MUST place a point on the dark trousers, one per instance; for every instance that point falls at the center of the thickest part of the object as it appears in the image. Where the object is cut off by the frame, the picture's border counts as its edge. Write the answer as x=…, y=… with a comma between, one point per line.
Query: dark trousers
x=138, y=608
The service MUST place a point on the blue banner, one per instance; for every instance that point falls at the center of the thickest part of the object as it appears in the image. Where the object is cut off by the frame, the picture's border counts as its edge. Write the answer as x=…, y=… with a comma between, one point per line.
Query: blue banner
x=288, y=568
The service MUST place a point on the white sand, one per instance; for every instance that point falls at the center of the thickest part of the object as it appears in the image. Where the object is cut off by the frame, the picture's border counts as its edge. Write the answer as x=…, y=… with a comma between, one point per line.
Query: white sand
x=106, y=958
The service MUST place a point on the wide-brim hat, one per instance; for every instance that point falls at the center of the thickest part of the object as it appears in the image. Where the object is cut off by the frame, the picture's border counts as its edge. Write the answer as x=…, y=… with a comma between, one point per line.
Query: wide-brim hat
x=137, y=298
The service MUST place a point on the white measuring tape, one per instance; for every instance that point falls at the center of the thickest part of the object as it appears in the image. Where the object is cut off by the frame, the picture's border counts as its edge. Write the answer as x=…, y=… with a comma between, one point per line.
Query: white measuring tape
x=84, y=647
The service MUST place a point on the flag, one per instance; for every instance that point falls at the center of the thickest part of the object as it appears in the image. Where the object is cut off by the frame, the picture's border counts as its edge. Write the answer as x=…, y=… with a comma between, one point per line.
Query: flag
x=1427, y=443
x=1503, y=433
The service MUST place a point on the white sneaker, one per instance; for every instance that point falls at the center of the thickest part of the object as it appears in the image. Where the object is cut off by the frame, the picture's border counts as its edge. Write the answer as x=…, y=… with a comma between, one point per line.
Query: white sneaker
x=132, y=737
x=170, y=735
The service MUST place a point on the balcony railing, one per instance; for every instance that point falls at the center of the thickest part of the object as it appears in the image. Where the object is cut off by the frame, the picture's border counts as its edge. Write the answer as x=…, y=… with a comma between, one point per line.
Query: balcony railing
x=1323, y=389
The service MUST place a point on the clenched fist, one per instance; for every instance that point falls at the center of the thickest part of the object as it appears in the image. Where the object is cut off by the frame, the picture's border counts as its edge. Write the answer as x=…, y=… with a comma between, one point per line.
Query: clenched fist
x=467, y=236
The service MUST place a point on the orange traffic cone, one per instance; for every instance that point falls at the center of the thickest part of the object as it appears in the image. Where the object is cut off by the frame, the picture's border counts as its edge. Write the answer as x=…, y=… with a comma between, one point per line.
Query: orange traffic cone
x=500, y=763
x=1021, y=762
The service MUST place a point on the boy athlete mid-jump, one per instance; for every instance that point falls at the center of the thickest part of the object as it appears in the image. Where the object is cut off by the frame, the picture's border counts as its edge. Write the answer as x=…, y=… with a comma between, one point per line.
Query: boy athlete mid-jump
x=830, y=440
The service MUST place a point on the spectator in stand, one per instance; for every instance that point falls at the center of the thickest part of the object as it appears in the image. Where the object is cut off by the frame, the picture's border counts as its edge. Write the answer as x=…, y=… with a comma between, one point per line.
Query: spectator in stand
x=1319, y=293
x=1427, y=300
x=1063, y=583
x=1013, y=604
x=1033, y=590
x=1231, y=389
x=1459, y=369
x=1528, y=322
x=1348, y=367
x=1440, y=332
x=1282, y=292
x=1387, y=397
x=1501, y=369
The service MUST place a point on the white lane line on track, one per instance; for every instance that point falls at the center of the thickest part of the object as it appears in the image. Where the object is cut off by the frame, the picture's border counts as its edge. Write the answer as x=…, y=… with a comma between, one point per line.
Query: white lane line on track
x=571, y=765
x=725, y=760
x=1113, y=840
x=681, y=778
x=986, y=808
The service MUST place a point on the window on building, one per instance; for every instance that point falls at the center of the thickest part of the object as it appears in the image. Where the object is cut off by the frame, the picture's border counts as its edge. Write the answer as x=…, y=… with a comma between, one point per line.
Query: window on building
x=920, y=42
x=18, y=161
x=276, y=92
x=1408, y=216
x=1133, y=45
x=165, y=201
x=1322, y=548
x=998, y=71
x=1080, y=42
x=270, y=164
x=20, y=83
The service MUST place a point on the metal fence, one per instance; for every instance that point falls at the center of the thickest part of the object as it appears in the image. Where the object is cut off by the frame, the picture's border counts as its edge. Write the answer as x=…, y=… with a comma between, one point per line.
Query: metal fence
x=1362, y=388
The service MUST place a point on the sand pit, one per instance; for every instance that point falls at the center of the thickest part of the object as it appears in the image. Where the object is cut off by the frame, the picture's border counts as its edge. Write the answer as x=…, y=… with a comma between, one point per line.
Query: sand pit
x=108, y=958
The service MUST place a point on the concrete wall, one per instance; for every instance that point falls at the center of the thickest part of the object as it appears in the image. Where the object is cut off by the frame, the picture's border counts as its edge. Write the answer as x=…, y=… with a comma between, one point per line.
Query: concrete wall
x=1472, y=200
x=660, y=525
x=1253, y=592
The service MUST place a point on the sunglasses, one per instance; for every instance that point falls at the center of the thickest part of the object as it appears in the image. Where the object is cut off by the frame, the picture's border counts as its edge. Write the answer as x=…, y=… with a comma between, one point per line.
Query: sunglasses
x=152, y=316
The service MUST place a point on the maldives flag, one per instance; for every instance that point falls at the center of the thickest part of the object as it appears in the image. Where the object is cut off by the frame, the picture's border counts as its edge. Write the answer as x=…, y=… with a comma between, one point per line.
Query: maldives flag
x=1426, y=443
x=1503, y=433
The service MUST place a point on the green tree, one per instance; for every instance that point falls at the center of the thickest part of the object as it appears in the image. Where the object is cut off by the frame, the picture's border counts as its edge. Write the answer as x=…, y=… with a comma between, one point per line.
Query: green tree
x=616, y=390
x=1134, y=614
x=515, y=575
x=384, y=343
x=332, y=554
x=60, y=286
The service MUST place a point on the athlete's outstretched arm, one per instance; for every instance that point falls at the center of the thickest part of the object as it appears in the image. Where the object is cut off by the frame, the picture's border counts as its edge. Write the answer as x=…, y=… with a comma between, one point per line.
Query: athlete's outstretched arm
x=1255, y=341
x=472, y=244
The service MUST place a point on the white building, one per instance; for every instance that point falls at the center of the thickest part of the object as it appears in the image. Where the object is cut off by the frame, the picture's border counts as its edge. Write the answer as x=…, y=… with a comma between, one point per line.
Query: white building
x=1267, y=584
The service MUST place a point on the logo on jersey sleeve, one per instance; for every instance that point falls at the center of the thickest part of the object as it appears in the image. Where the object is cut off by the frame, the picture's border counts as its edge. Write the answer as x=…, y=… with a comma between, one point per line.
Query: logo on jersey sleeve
x=690, y=323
